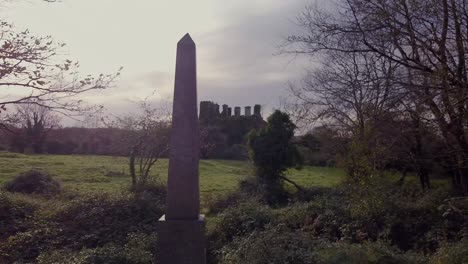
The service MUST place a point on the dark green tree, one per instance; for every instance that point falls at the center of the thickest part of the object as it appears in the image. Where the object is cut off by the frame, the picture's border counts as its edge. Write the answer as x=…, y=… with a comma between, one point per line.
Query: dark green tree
x=272, y=152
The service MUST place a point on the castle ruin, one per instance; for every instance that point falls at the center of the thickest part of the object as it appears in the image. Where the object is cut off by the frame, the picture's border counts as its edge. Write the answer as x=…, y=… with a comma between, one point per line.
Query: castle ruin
x=211, y=111
x=225, y=129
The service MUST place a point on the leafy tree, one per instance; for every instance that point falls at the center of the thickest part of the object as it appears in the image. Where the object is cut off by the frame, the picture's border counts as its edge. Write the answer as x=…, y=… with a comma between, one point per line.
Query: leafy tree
x=272, y=153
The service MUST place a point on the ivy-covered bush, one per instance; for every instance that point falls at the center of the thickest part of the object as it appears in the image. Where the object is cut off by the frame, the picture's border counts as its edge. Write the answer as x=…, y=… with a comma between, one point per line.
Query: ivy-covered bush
x=34, y=182
x=15, y=214
x=100, y=223
x=138, y=250
x=453, y=253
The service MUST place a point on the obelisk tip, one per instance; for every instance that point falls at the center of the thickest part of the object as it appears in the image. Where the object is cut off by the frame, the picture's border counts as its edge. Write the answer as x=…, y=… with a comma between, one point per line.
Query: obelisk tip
x=186, y=39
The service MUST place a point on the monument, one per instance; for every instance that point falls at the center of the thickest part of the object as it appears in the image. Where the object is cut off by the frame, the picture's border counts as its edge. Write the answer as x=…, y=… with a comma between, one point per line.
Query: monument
x=181, y=236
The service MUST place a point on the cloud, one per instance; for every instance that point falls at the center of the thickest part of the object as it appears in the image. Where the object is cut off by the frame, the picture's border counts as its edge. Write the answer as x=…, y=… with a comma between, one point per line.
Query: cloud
x=236, y=42
x=237, y=63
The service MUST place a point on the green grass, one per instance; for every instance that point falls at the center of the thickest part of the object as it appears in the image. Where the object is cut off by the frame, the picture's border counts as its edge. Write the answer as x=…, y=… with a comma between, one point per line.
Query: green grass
x=316, y=176
x=88, y=173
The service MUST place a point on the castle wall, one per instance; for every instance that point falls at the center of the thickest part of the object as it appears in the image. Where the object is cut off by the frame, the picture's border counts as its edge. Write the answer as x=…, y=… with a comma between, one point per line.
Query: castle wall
x=210, y=111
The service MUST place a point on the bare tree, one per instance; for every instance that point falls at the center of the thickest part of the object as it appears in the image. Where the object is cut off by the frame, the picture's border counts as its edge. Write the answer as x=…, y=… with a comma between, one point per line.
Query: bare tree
x=36, y=121
x=32, y=71
x=147, y=137
x=348, y=90
x=356, y=95
x=427, y=38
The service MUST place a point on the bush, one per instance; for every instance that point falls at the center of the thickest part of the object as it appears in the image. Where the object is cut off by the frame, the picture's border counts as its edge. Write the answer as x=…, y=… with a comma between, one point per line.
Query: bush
x=272, y=246
x=237, y=222
x=15, y=213
x=279, y=245
x=219, y=203
x=242, y=220
x=90, y=222
x=455, y=214
x=455, y=253
x=139, y=249
x=271, y=194
x=96, y=220
x=272, y=152
x=367, y=253
x=152, y=189
x=24, y=247
x=34, y=182
x=59, y=256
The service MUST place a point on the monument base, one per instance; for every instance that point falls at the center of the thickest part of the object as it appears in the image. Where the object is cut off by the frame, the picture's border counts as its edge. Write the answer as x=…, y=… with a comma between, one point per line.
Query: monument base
x=181, y=241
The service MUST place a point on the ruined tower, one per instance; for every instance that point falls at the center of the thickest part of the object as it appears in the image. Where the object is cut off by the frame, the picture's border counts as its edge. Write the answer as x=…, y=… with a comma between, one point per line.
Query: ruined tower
x=258, y=110
x=224, y=113
x=248, y=111
x=237, y=111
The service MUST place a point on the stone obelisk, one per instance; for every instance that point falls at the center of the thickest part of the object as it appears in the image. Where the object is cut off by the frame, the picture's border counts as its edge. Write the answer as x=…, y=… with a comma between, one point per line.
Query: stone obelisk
x=182, y=230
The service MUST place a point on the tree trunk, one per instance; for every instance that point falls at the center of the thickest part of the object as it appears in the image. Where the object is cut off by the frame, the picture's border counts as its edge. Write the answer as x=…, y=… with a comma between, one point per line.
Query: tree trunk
x=132, y=167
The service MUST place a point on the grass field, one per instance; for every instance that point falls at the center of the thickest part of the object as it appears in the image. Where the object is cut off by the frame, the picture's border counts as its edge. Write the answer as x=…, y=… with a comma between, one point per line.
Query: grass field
x=91, y=173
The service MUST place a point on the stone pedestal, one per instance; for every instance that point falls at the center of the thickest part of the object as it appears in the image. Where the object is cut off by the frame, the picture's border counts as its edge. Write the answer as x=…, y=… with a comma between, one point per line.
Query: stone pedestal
x=182, y=241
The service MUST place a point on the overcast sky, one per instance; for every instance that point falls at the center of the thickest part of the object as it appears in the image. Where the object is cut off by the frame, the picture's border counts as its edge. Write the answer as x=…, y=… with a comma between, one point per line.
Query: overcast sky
x=236, y=42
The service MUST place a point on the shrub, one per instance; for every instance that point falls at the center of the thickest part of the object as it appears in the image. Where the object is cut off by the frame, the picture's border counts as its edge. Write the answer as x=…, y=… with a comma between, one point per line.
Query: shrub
x=139, y=249
x=34, y=182
x=65, y=256
x=24, y=247
x=250, y=186
x=96, y=220
x=455, y=214
x=219, y=203
x=455, y=253
x=152, y=189
x=242, y=220
x=90, y=222
x=15, y=213
x=276, y=245
x=367, y=253
x=272, y=246
x=237, y=222
x=272, y=152
x=311, y=193
x=271, y=194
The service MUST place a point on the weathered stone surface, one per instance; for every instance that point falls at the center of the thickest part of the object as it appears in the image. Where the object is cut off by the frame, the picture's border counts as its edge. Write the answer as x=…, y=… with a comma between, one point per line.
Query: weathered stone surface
x=181, y=232
x=225, y=110
x=237, y=111
x=182, y=241
x=248, y=111
x=258, y=110
x=183, y=198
